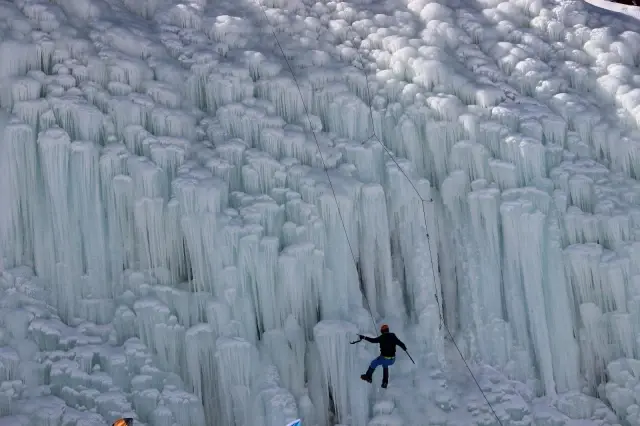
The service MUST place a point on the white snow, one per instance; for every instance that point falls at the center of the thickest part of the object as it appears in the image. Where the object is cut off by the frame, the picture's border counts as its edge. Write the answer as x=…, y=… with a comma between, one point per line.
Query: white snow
x=203, y=203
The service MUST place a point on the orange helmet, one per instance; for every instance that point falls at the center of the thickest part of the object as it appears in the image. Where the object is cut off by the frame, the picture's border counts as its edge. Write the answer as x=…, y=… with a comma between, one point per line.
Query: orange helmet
x=123, y=422
x=384, y=328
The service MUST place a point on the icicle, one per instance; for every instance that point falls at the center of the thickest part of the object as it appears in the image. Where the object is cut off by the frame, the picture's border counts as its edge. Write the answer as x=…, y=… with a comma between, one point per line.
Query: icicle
x=595, y=348
x=227, y=85
x=584, y=274
x=265, y=296
x=120, y=224
x=260, y=66
x=580, y=227
x=277, y=347
x=297, y=342
x=134, y=135
x=297, y=291
x=169, y=154
x=340, y=259
x=218, y=315
x=515, y=301
x=258, y=175
x=124, y=324
x=317, y=384
x=337, y=358
x=162, y=93
x=375, y=253
x=81, y=120
x=622, y=335
x=18, y=161
x=561, y=314
x=233, y=151
x=172, y=122
x=169, y=346
x=200, y=344
x=244, y=315
x=472, y=158
x=84, y=174
x=531, y=240
x=200, y=194
x=285, y=96
x=246, y=121
x=349, y=117
x=113, y=162
x=200, y=234
x=54, y=147
x=31, y=111
x=236, y=363
x=484, y=208
x=149, y=226
x=177, y=259
x=19, y=89
x=149, y=180
x=441, y=137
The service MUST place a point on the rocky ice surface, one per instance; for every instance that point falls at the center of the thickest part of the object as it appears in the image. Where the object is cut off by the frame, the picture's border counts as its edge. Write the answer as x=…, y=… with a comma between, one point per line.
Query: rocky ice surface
x=189, y=222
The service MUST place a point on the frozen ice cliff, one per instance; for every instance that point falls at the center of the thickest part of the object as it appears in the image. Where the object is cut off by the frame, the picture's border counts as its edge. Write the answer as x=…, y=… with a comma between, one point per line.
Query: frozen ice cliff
x=202, y=203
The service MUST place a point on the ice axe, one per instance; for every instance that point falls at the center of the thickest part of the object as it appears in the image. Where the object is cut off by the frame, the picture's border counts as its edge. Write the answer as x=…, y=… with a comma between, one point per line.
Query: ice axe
x=357, y=341
x=407, y=352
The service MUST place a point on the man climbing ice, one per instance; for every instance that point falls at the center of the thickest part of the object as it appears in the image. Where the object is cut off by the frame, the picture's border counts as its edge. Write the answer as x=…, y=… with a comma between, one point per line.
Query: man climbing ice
x=388, y=342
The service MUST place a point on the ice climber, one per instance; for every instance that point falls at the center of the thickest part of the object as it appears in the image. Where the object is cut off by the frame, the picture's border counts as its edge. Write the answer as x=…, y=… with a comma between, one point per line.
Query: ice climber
x=388, y=342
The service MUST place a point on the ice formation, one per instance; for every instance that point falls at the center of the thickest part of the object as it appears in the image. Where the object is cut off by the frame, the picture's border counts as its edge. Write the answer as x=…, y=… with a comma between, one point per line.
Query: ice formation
x=202, y=205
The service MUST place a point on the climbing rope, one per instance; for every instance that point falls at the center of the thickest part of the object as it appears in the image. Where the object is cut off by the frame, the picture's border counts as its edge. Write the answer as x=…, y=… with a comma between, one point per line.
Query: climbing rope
x=422, y=202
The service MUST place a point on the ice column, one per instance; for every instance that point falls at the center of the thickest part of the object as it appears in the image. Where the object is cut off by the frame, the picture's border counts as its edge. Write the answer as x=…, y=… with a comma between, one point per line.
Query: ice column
x=285, y=96
x=484, y=213
x=120, y=224
x=18, y=161
x=170, y=338
x=338, y=361
x=200, y=235
x=248, y=252
x=413, y=143
x=421, y=288
x=286, y=347
x=88, y=214
x=528, y=155
x=375, y=253
x=298, y=344
x=236, y=363
x=200, y=344
x=532, y=248
x=149, y=224
x=344, y=282
x=564, y=347
x=264, y=291
x=594, y=339
x=317, y=384
x=441, y=137
x=454, y=198
x=296, y=289
x=54, y=147
x=407, y=214
x=515, y=302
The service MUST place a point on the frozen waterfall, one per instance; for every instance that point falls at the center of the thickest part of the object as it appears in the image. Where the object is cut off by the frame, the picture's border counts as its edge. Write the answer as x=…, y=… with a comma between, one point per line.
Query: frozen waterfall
x=203, y=205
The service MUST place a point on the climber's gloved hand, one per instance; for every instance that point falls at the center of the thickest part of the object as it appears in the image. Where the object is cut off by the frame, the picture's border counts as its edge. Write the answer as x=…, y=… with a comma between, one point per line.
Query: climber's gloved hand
x=360, y=336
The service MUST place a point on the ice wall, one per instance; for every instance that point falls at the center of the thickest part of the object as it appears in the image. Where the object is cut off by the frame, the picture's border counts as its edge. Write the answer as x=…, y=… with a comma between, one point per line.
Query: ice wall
x=190, y=191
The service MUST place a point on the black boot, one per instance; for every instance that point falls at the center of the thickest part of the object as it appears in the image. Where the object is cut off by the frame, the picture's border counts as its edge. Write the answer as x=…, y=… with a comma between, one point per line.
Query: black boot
x=385, y=377
x=367, y=377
